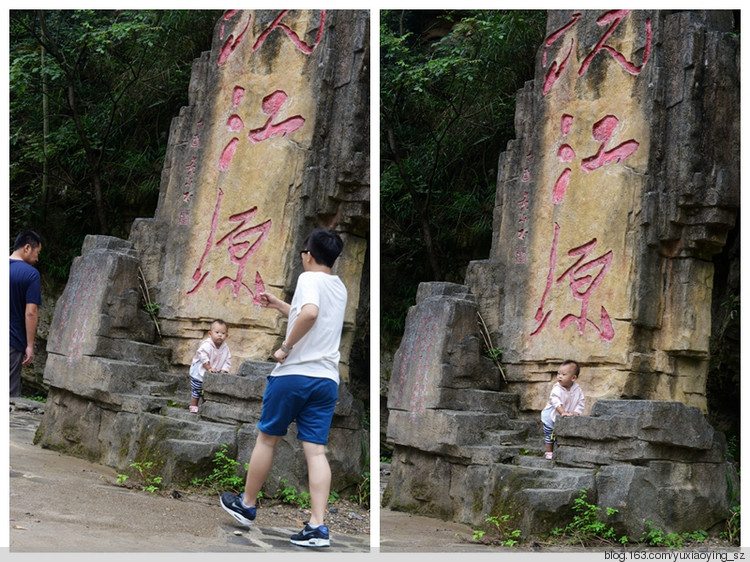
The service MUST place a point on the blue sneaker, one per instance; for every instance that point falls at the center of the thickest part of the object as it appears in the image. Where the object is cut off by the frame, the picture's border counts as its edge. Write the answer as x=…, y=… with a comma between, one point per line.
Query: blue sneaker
x=232, y=504
x=312, y=537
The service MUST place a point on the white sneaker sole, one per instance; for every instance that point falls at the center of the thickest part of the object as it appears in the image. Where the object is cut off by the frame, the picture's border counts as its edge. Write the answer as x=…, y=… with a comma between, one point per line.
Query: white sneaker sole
x=312, y=542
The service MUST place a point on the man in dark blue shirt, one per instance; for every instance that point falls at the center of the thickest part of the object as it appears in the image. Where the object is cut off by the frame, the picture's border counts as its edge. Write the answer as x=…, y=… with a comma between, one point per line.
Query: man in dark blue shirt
x=25, y=298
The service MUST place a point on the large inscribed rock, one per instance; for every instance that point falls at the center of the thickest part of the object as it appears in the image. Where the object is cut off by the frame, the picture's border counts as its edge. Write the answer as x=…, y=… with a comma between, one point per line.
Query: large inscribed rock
x=273, y=143
x=622, y=184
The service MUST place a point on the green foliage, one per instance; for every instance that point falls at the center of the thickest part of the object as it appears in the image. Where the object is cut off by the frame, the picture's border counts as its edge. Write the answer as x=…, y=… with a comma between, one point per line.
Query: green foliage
x=654, y=536
x=362, y=495
x=494, y=353
x=447, y=112
x=586, y=527
x=152, y=308
x=733, y=448
x=150, y=480
x=112, y=81
x=506, y=535
x=224, y=474
x=732, y=529
x=289, y=494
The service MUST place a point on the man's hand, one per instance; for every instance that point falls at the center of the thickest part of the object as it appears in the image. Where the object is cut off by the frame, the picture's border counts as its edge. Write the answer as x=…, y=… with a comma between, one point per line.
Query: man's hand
x=267, y=300
x=28, y=355
x=280, y=355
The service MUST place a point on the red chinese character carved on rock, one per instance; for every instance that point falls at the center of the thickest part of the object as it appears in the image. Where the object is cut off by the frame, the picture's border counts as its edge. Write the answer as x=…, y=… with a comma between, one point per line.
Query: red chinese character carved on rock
x=239, y=248
x=602, y=132
x=299, y=43
x=613, y=19
x=583, y=279
x=271, y=106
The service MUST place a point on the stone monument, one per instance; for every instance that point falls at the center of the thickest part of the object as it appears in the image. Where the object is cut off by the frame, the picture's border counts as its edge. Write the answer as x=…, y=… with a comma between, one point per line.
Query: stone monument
x=274, y=142
x=621, y=186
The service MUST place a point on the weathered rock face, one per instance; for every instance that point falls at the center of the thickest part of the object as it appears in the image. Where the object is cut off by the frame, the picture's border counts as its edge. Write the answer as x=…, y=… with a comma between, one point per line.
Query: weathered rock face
x=654, y=461
x=275, y=142
x=462, y=449
x=621, y=186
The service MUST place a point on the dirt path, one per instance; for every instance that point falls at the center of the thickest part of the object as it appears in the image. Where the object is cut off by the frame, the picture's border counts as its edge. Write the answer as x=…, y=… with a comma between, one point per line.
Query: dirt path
x=60, y=503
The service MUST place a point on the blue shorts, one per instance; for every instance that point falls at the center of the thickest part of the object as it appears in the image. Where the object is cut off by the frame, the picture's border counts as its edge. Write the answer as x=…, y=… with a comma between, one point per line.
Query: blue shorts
x=310, y=401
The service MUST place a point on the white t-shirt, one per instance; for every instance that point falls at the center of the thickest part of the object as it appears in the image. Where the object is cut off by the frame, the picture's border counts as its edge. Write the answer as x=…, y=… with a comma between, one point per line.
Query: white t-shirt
x=317, y=353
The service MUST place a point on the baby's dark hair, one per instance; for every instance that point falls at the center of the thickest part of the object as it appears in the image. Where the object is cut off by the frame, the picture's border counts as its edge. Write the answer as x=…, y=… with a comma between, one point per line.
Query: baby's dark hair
x=324, y=245
x=219, y=321
x=577, y=371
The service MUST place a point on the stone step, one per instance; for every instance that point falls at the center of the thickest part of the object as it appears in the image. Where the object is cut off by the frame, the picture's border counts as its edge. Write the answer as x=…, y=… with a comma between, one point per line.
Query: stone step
x=157, y=388
x=549, y=476
x=479, y=400
x=133, y=351
x=490, y=454
x=524, y=453
x=506, y=437
x=534, y=459
x=180, y=424
x=179, y=410
x=183, y=449
x=540, y=502
x=255, y=368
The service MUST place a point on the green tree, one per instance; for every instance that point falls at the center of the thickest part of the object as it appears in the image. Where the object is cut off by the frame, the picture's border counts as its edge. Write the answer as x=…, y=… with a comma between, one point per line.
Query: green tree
x=92, y=94
x=447, y=111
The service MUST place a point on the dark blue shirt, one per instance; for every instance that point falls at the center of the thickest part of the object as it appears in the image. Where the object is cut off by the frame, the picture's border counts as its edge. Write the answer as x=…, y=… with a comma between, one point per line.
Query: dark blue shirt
x=25, y=287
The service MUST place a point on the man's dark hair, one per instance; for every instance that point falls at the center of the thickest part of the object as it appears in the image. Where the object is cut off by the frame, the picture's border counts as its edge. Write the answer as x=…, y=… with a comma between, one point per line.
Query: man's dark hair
x=324, y=246
x=577, y=369
x=27, y=237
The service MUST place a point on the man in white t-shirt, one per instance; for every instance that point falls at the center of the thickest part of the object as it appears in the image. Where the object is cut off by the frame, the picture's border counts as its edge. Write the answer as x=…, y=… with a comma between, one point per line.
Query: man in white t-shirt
x=303, y=387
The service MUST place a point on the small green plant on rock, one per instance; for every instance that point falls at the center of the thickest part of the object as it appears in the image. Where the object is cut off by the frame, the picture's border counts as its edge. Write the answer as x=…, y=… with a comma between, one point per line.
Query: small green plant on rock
x=224, y=474
x=289, y=494
x=151, y=482
x=731, y=531
x=362, y=494
x=506, y=535
x=586, y=528
x=654, y=536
